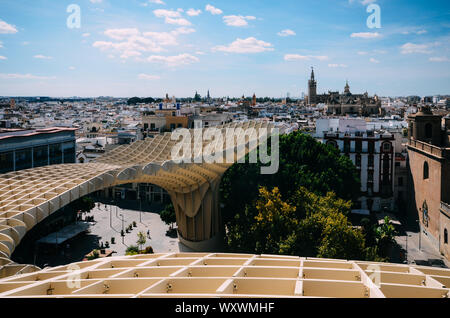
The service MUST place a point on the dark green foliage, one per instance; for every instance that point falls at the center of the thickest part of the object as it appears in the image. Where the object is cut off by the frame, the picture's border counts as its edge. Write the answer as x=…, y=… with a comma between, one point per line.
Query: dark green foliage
x=168, y=215
x=85, y=204
x=304, y=162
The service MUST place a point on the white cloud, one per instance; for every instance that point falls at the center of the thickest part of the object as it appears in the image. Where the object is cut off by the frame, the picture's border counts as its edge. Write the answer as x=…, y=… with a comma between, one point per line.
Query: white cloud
x=3, y=57
x=25, y=76
x=178, y=21
x=85, y=35
x=193, y=12
x=172, y=17
x=298, y=57
x=372, y=60
x=410, y=48
x=183, y=30
x=172, y=61
x=157, y=2
x=337, y=65
x=366, y=2
x=131, y=42
x=72, y=68
x=421, y=32
x=148, y=77
x=6, y=28
x=363, y=53
x=286, y=32
x=96, y=1
x=1, y=44
x=121, y=34
x=439, y=59
x=365, y=35
x=163, y=13
x=237, y=20
x=200, y=53
x=42, y=57
x=249, y=45
x=213, y=10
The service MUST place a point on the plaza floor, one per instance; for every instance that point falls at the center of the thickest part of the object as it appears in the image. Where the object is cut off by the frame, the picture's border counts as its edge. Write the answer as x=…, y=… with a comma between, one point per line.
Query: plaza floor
x=110, y=219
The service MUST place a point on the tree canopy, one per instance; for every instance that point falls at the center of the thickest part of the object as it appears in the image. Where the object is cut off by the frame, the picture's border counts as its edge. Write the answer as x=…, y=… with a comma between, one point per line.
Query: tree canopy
x=304, y=162
x=301, y=210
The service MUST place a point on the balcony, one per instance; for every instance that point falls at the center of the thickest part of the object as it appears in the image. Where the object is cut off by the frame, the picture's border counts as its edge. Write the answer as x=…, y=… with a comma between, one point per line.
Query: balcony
x=445, y=208
x=441, y=153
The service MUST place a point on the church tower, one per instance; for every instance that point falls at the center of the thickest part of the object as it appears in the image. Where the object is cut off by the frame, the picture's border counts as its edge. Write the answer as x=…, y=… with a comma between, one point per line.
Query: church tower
x=312, y=88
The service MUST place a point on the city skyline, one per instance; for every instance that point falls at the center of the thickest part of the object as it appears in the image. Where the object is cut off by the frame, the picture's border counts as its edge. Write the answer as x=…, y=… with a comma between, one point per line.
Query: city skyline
x=150, y=48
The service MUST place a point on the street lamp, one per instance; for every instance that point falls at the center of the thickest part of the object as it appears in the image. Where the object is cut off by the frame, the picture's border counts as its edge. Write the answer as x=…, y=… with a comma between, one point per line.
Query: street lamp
x=110, y=213
x=123, y=237
x=140, y=209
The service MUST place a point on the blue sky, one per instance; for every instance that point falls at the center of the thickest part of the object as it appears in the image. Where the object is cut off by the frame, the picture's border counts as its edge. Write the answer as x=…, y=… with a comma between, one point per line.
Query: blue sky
x=267, y=47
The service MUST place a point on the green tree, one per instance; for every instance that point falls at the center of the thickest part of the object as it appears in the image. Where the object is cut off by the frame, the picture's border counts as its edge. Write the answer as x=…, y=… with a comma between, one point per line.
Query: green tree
x=168, y=215
x=132, y=250
x=142, y=239
x=384, y=235
x=307, y=225
x=304, y=162
x=85, y=204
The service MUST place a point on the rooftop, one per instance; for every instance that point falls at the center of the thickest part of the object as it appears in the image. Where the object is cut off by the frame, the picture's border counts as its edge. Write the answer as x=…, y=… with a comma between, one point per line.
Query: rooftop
x=20, y=133
x=182, y=275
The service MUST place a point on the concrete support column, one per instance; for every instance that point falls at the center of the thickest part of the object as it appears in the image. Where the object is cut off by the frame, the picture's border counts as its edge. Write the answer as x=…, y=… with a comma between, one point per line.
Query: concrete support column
x=198, y=218
x=14, y=160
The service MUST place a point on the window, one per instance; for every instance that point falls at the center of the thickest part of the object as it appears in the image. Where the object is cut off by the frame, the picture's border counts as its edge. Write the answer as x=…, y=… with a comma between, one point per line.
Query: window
x=358, y=160
x=332, y=143
x=371, y=161
x=428, y=130
x=400, y=181
x=426, y=171
x=445, y=236
x=386, y=147
x=370, y=176
x=358, y=146
x=347, y=146
x=152, y=126
x=371, y=145
x=6, y=162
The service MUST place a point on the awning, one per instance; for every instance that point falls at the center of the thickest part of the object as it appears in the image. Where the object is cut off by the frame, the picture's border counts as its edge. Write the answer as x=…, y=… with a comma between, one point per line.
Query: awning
x=65, y=234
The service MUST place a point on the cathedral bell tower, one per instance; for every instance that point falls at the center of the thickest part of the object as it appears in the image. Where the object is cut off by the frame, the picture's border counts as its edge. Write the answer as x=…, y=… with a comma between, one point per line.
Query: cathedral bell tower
x=312, y=88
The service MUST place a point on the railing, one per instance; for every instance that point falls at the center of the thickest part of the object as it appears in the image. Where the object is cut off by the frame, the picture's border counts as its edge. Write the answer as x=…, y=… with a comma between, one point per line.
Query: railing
x=433, y=150
x=445, y=207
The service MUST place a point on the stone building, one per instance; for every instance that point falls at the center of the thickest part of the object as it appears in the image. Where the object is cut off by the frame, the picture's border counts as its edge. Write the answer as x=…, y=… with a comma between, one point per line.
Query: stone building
x=372, y=152
x=343, y=104
x=429, y=163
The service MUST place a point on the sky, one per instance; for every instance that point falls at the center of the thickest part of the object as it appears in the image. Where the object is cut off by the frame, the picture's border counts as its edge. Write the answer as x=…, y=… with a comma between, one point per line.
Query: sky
x=233, y=48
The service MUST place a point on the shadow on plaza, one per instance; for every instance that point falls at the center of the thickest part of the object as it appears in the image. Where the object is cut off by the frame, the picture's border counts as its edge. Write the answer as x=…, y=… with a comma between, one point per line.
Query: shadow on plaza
x=74, y=249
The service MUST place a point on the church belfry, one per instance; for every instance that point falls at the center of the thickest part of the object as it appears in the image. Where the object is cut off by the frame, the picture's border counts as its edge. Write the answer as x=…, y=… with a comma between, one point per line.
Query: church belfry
x=312, y=88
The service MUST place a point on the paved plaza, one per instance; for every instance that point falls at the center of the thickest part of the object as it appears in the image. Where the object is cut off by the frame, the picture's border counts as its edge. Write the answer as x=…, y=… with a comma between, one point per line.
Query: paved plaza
x=108, y=224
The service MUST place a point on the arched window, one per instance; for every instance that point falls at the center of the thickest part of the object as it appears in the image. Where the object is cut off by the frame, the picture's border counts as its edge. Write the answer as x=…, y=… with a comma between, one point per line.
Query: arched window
x=332, y=143
x=445, y=236
x=426, y=171
x=429, y=130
